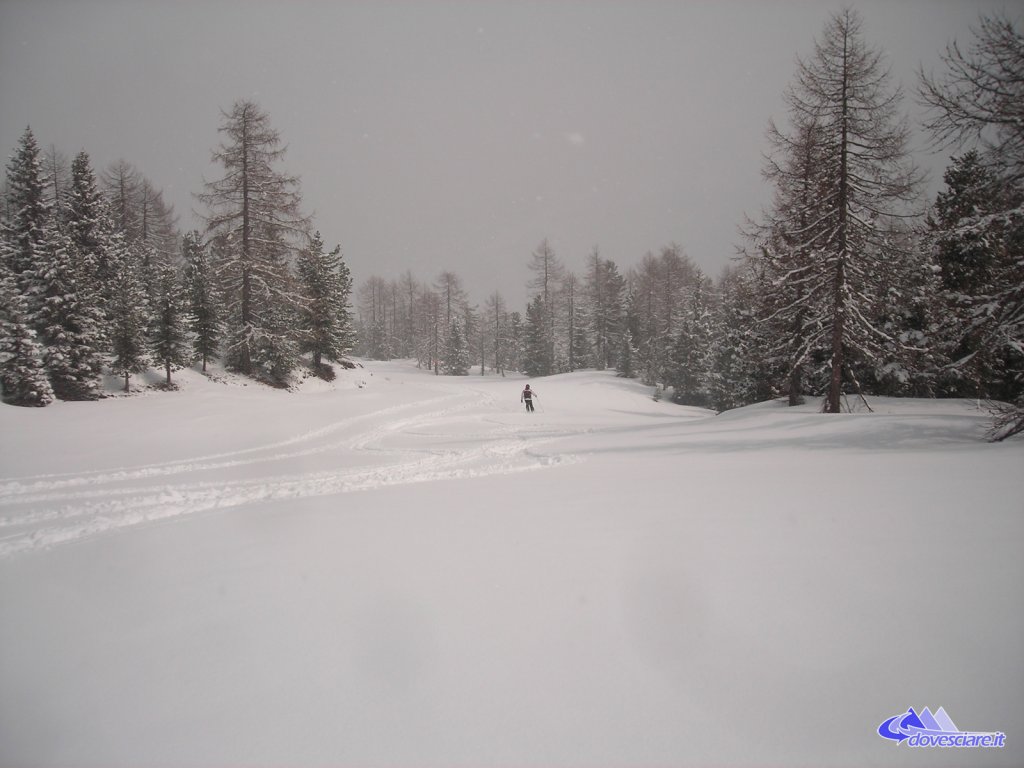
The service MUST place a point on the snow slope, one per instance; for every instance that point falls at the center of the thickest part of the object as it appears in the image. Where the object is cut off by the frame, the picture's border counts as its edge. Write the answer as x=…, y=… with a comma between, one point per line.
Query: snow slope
x=402, y=569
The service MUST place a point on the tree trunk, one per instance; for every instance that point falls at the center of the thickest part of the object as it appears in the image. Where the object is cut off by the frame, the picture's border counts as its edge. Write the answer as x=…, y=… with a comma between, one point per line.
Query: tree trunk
x=796, y=395
x=835, y=388
x=839, y=307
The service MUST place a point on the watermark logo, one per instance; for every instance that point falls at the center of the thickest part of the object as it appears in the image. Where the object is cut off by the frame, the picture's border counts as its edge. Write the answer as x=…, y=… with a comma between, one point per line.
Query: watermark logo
x=925, y=729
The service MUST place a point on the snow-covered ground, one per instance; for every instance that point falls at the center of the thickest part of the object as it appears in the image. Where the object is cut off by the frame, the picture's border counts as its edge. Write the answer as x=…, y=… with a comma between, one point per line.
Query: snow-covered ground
x=407, y=570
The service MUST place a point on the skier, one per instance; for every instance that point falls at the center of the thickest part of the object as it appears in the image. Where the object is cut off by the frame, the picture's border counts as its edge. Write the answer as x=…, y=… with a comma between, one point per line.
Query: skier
x=527, y=397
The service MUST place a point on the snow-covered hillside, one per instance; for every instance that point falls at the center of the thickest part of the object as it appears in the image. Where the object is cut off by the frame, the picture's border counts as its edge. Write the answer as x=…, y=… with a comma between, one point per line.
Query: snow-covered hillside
x=402, y=569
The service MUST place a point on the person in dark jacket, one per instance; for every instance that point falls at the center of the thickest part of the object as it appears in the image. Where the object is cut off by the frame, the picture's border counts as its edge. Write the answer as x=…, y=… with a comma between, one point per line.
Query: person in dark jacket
x=527, y=397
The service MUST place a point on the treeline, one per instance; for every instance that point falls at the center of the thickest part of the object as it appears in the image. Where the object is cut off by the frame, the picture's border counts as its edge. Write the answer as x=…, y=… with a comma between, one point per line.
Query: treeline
x=95, y=277
x=848, y=284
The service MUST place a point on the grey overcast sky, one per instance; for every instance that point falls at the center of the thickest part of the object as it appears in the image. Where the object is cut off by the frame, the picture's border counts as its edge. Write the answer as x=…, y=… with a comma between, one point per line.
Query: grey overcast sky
x=450, y=134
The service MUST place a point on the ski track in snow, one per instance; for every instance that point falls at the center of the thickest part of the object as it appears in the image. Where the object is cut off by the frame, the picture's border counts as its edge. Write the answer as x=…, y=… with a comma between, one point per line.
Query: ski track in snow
x=41, y=511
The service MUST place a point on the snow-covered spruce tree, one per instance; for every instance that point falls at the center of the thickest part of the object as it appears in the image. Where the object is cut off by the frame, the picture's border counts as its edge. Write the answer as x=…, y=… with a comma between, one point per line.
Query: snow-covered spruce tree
x=737, y=355
x=255, y=218
x=275, y=343
x=980, y=101
x=537, y=347
x=91, y=230
x=72, y=325
x=128, y=309
x=86, y=218
x=660, y=289
x=626, y=355
x=604, y=291
x=842, y=101
x=23, y=379
x=204, y=304
x=28, y=215
x=325, y=325
x=169, y=339
x=456, y=358
x=908, y=315
x=689, y=367
x=967, y=256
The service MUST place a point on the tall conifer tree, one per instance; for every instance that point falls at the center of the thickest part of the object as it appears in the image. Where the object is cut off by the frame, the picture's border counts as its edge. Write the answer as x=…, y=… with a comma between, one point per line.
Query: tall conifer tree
x=168, y=336
x=844, y=112
x=23, y=378
x=325, y=321
x=203, y=301
x=255, y=219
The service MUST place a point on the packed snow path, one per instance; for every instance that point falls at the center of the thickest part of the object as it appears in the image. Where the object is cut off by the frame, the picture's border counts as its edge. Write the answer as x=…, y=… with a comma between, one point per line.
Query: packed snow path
x=402, y=569
x=458, y=433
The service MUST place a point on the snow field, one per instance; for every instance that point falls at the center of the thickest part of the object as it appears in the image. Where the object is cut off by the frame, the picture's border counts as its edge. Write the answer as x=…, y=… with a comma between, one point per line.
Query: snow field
x=416, y=572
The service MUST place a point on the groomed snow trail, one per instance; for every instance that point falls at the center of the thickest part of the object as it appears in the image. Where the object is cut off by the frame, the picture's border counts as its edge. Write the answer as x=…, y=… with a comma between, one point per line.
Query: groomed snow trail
x=459, y=433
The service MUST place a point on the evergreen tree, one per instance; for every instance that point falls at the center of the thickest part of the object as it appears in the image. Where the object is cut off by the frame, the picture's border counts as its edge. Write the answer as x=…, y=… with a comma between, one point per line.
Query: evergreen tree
x=254, y=217
x=456, y=360
x=275, y=351
x=169, y=340
x=23, y=378
x=739, y=369
x=689, y=368
x=659, y=290
x=324, y=321
x=128, y=309
x=90, y=231
x=537, y=351
x=203, y=301
x=970, y=237
x=28, y=216
x=624, y=359
x=843, y=114
x=979, y=101
x=86, y=218
x=72, y=325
